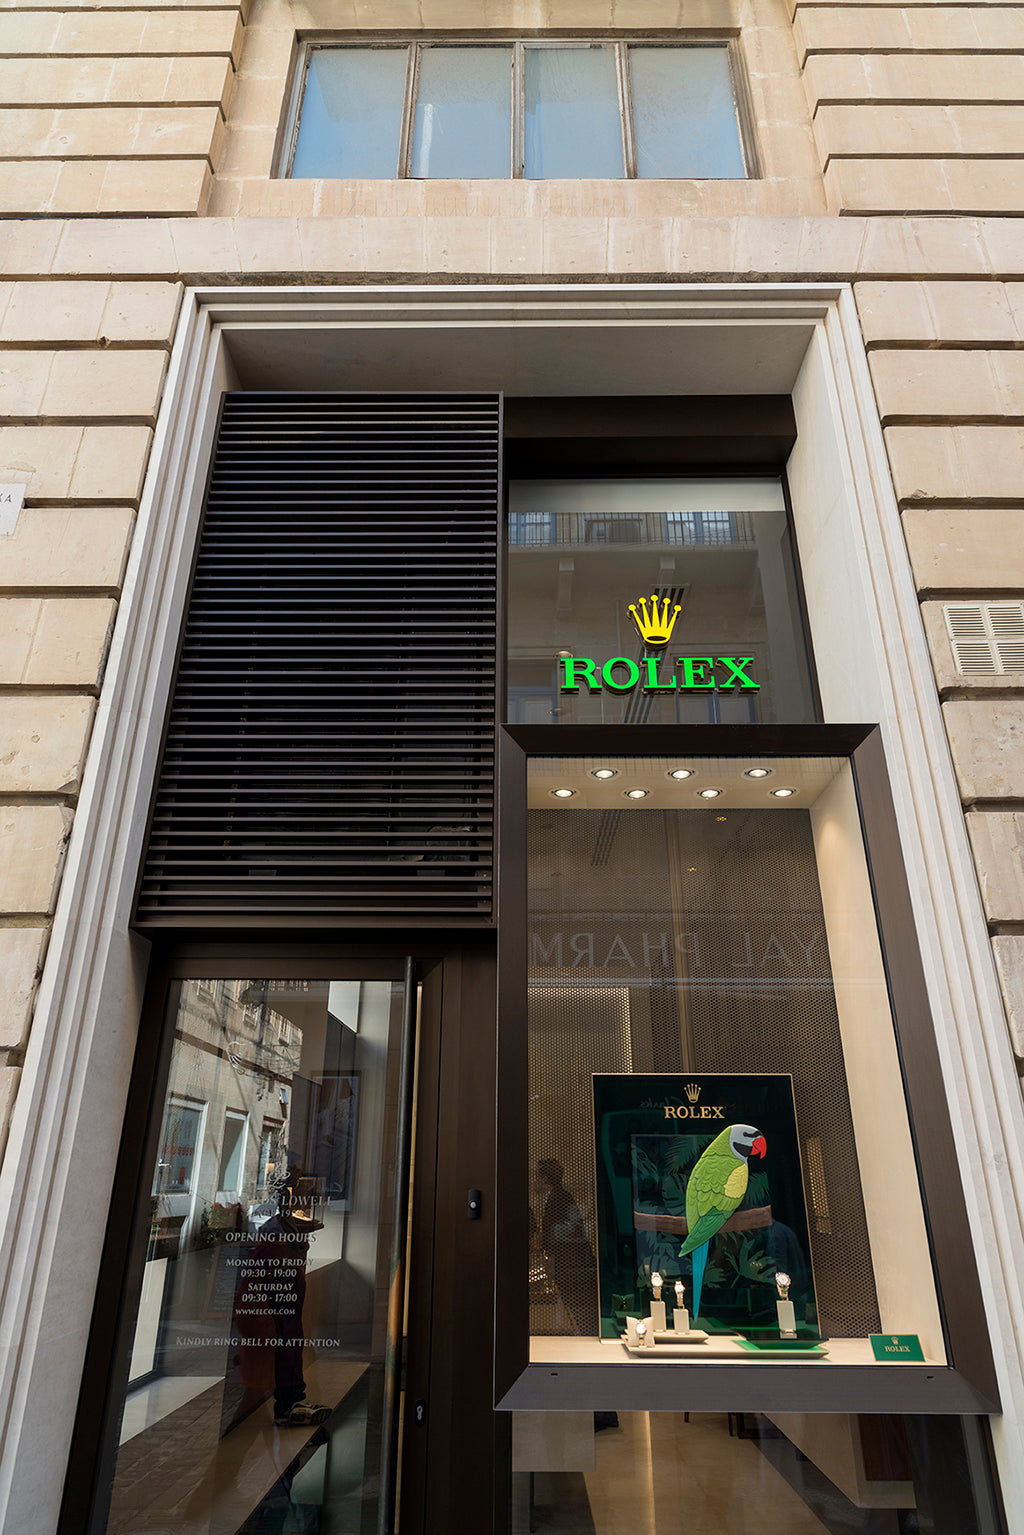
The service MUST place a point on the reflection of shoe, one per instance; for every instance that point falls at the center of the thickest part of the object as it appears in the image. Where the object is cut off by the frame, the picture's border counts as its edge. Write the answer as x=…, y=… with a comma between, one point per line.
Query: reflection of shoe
x=303, y=1415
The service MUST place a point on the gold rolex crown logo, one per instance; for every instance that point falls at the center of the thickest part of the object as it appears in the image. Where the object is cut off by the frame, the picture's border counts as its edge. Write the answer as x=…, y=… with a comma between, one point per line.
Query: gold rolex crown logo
x=656, y=627
x=692, y=1091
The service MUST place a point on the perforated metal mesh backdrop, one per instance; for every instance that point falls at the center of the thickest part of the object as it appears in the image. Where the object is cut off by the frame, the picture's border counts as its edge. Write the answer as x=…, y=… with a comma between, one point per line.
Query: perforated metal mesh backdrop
x=690, y=941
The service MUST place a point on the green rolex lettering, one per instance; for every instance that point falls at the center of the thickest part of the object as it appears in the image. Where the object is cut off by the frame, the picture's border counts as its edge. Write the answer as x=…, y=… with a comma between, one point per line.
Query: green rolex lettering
x=632, y=672
x=737, y=673
x=652, y=685
x=695, y=669
x=582, y=664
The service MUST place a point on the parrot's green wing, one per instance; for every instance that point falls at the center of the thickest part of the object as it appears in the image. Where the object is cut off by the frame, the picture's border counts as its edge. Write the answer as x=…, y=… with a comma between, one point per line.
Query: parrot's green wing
x=715, y=1188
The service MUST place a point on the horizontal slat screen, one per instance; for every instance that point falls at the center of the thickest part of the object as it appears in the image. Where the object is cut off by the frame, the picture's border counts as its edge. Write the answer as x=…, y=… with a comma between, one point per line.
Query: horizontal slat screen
x=329, y=752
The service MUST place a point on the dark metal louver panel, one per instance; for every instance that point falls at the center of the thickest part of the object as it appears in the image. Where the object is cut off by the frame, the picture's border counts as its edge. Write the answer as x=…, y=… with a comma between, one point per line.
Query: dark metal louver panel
x=329, y=753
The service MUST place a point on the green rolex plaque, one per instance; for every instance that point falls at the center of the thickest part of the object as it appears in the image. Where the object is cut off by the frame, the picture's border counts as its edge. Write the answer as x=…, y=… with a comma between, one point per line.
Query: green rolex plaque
x=898, y=1347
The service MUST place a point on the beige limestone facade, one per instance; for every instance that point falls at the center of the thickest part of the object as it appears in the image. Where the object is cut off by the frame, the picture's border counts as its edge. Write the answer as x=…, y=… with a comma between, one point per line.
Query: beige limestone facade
x=141, y=153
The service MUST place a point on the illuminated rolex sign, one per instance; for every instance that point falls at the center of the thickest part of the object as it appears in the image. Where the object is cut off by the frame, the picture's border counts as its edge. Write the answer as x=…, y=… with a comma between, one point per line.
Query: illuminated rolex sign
x=683, y=674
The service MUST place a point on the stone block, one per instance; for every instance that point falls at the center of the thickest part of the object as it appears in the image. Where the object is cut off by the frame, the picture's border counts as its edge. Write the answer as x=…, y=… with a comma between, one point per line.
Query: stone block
x=21, y=960
x=54, y=311
x=857, y=77
x=1001, y=239
x=104, y=383
x=951, y=312
x=168, y=187
x=23, y=377
x=204, y=246
x=986, y=736
x=393, y=244
x=76, y=463
x=63, y=82
x=956, y=463
x=575, y=245
x=111, y=463
x=247, y=151
x=54, y=641
x=113, y=33
x=517, y=245
x=997, y=837
x=926, y=186
x=115, y=247
x=268, y=245
x=457, y=245
x=1009, y=953
x=897, y=129
x=32, y=843
x=29, y=246
x=330, y=246
x=44, y=738
x=108, y=132
x=966, y=383
x=923, y=247
x=933, y=28
x=141, y=311
x=54, y=547
x=966, y=549
x=29, y=187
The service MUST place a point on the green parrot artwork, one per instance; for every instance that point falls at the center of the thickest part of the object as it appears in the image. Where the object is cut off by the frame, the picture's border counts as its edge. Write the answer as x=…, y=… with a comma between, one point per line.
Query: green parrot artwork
x=714, y=1190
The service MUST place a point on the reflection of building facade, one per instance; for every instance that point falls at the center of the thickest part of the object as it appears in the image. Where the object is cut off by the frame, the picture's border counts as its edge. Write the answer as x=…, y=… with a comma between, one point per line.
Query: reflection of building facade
x=360, y=373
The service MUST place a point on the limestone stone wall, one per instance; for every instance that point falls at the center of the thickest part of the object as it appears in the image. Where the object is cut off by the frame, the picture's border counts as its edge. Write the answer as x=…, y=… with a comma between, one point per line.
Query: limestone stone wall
x=139, y=149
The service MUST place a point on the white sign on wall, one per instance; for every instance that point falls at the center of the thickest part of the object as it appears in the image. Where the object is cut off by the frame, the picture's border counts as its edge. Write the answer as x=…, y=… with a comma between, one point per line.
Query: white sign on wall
x=12, y=499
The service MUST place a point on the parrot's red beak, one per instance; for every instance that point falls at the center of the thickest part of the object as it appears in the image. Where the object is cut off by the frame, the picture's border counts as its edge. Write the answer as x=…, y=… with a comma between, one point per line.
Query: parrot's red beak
x=759, y=1147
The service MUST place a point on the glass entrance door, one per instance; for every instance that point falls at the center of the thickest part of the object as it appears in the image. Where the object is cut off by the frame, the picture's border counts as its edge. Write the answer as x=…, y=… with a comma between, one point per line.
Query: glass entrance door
x=258, y=1371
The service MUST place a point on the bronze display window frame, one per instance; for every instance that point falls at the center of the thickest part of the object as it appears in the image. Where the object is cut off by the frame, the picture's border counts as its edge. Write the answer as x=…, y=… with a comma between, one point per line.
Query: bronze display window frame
x=967, y=1384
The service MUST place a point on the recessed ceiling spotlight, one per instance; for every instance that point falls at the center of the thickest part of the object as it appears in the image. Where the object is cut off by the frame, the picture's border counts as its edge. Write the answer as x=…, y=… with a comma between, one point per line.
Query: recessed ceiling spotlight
x=757, y=772
x=604, y=773
x=563, y=793
x=783, y=793
x=635, y=793
x=681, y=773
x=709, y=793
x=721, y=817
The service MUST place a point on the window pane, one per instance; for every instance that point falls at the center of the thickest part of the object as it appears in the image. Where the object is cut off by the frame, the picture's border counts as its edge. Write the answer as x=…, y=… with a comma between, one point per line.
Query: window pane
x=463, y=123
x=254, y=1385
x=684, y=116
x=572, y=113
x=582, y=552
x=352, y=113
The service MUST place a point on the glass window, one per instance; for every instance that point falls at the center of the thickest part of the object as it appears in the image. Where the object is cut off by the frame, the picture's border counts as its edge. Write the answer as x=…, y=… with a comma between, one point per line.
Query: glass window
x=463, y=121
x=590, y=560
x=572, y=113
x=684, y=113
x=258, y=1374
x=351, y=113
x=533, y=109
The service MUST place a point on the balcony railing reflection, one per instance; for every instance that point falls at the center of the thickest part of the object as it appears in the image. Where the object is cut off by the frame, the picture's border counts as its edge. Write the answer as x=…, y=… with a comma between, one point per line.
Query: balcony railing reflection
x=575, y=530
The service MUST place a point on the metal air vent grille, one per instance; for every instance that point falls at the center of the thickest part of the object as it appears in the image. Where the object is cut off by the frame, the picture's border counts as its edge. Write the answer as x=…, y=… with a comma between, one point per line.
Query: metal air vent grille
x=987, y=637
x=329, y=751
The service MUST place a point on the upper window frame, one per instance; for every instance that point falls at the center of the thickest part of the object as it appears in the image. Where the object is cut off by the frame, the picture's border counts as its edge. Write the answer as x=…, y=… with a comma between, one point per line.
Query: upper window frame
x=415, y=44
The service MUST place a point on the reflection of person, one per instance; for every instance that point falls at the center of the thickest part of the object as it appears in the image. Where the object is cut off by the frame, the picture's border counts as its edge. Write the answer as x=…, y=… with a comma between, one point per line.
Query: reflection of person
x=268, y=1312
x=562, y=1237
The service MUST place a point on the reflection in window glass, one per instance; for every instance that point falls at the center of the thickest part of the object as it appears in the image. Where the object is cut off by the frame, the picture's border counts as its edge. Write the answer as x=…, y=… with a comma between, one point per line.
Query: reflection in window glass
x=254, y=1374
x=581, y=552
x=352, y=113
x=463, y=122
x=572, y=113
x=683, y=113
x=740, y=1472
